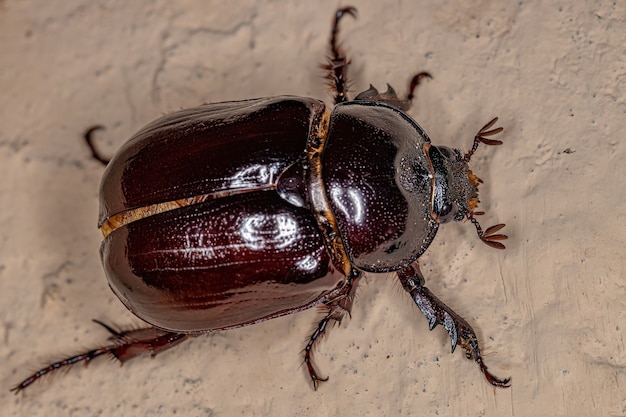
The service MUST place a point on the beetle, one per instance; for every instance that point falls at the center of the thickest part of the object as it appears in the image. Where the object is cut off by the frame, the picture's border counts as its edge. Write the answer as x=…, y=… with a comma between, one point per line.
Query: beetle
x=229, y=214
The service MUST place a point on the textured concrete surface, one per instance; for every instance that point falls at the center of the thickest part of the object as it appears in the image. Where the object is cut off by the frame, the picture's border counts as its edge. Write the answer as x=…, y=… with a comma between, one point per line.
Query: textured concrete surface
x=550, y=309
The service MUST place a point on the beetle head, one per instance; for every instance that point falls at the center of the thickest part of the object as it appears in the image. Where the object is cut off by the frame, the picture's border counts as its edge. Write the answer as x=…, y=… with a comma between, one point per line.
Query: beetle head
x=454, y=187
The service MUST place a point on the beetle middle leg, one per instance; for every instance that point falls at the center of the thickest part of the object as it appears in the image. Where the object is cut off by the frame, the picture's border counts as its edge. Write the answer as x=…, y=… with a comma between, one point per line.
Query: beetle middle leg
x=390, y=96
x=337, y=64
x=95, y=153
x=438, y=313
x=337, y=309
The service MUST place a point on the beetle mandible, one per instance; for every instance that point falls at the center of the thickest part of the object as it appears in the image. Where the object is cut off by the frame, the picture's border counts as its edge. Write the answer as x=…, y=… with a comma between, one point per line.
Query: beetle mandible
x=232, y=213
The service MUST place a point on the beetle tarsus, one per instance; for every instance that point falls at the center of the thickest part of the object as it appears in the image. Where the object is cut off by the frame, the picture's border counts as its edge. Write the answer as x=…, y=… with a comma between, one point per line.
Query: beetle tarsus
x=415, y=81
x=90, y=142
x=72, y=360
x=492, y=379
x=337, y=63
x=308, y=350
x=437, y=312
x=126, y=345
x=338, y=308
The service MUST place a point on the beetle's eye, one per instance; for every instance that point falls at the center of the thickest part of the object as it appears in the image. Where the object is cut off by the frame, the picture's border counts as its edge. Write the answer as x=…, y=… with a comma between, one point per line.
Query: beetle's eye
x=448, y=212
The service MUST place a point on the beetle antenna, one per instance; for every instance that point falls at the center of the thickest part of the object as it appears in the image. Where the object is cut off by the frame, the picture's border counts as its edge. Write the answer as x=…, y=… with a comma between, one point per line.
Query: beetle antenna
x=489, y=236
x=481, y=137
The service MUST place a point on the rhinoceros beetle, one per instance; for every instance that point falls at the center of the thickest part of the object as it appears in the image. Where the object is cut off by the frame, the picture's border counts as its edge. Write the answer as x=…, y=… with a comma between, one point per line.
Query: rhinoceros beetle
x=229, y=214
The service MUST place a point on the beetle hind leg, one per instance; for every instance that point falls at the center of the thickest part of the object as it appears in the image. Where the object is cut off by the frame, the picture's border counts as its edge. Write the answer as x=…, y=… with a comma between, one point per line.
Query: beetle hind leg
x=337, y=63
x=461, y=333
x=338, y=307
x=125, y=346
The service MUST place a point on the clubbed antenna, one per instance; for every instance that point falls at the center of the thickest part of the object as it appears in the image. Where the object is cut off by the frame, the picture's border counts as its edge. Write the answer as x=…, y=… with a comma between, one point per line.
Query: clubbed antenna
x=481, y=138
x=489, y=236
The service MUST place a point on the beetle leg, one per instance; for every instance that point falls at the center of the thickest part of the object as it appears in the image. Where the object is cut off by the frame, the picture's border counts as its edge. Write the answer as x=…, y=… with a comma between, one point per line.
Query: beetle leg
x=337, y=63
x=438, y=313
x=95, y=154
x=126, y=345
x=415, y=81
x=338, y=307
x=390, y=97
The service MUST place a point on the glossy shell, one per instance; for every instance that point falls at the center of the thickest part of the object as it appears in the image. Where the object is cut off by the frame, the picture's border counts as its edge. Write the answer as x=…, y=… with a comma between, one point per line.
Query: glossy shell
x=243, y=255
x=230, y=146
x=216, y=222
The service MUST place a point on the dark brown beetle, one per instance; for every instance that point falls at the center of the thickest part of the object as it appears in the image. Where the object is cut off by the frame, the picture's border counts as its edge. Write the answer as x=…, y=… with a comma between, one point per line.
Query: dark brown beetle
x=228, y=214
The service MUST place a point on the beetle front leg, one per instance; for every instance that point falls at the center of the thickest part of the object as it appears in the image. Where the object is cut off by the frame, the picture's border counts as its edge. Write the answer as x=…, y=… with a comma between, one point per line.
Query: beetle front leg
x=437, y=312
x=338, y=308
